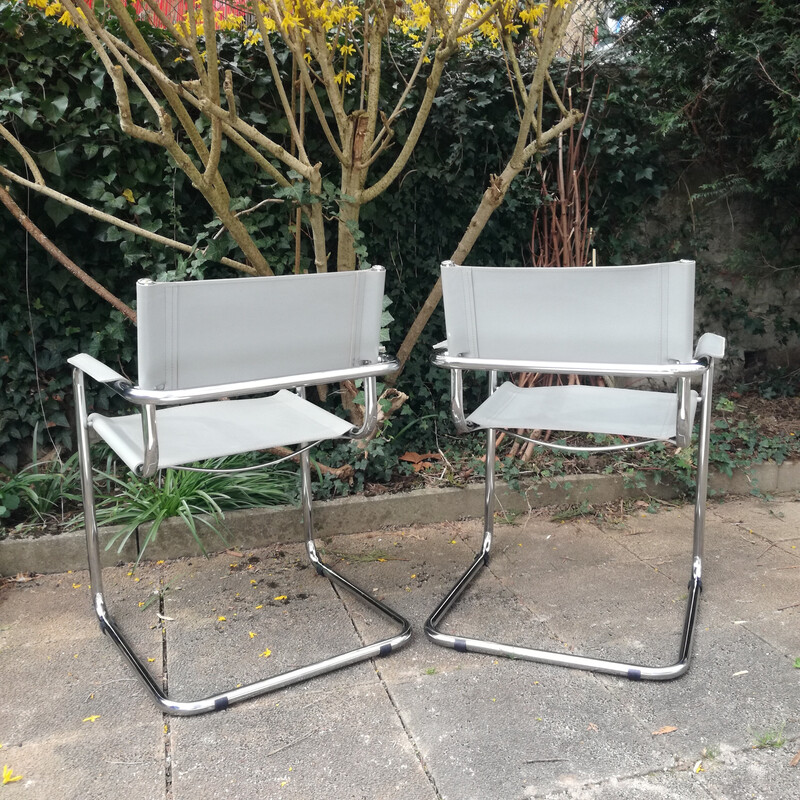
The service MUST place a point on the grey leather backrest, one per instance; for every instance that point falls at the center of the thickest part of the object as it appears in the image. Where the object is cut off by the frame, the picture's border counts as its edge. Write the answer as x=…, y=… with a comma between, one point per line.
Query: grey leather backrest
x=205, y=333
x=640, y=314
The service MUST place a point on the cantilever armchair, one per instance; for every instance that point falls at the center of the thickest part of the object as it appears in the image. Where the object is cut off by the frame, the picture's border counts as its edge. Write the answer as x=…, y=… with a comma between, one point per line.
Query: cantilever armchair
x=634, y=322
x=202, y=343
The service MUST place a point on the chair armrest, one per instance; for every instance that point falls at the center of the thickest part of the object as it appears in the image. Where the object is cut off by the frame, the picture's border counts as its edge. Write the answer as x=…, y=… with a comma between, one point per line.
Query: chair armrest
x=689, y=370
x=710, y=345
x=171, y=397
x=440, y=346
x=95, y=369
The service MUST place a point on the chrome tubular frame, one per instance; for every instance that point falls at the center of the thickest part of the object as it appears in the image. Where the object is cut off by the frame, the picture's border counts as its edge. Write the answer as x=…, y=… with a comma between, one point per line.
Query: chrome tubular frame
x=222, y=700
x=691, y=369
x=633, y=671
x=171, y=397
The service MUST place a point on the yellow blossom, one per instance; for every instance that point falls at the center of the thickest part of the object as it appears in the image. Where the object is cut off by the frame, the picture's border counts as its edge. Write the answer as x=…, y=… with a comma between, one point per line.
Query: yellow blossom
x=347, y=77
x=8, y=775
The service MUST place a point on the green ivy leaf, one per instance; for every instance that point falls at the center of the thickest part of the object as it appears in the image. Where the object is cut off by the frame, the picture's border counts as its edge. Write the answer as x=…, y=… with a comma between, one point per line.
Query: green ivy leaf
x=57, y=212
x=54, y=109
x=49, y=160
x=27, y=115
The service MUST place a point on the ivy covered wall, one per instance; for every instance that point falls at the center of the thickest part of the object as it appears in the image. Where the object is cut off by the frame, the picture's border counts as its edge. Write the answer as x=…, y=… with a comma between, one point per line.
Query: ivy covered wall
x=651, y=199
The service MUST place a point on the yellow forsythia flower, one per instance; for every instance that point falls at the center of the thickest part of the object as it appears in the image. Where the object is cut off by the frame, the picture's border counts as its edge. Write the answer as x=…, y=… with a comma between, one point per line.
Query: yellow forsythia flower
x=8, y=775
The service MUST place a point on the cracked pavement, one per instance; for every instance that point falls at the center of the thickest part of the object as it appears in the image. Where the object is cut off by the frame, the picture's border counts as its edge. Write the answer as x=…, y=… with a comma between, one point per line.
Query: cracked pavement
x=424, y=723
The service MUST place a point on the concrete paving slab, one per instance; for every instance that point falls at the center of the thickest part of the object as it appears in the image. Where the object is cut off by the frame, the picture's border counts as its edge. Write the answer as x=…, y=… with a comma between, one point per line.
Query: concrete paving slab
x=763, y=774
x=777, y=519
x=734, y=690
x=510, y=730
x=74, y=723
x=573, y=589
x=234, y=620
x=426, y=722
x=749, y=576
x=461, y=704
x=498, y=601
x=657, y=785
x=341, y=743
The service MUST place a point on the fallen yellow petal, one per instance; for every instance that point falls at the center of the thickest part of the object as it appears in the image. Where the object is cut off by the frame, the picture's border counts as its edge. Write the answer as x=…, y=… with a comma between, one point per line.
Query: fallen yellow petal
x=222, y=619
x=76, y=586
x=8, y=775
x=92, y=718
x=265, y=654
x=280, y=597
x=150, y=660
x=257, y=607
x=253, y=634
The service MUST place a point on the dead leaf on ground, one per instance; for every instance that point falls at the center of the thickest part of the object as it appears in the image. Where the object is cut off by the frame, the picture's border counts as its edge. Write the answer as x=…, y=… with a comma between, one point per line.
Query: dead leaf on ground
x=796, y=760
x=22, y=577
x=420, y=460
x=665, y=729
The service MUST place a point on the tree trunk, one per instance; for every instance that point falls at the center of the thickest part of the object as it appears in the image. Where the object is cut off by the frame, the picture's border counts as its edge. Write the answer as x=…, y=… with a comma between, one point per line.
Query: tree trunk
x=346, y=253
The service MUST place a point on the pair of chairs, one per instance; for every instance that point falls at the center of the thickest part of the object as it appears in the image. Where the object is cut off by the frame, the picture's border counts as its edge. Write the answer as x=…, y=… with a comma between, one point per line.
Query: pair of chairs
x=223, y=368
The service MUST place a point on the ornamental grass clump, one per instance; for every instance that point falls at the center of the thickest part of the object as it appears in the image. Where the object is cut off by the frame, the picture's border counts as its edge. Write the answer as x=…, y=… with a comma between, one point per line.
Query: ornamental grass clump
x=197, y=498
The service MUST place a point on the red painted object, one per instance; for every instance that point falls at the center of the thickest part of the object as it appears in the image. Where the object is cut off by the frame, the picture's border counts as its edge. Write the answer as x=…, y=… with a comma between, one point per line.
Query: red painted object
x=175, y=10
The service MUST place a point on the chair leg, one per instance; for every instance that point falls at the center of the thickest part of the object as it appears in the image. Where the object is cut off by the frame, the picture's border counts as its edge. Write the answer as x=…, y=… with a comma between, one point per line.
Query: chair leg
x=633, y=671
x=222, y=700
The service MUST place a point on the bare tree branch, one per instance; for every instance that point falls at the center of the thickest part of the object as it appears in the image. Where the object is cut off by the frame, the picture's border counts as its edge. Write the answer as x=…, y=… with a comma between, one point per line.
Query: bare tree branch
x=62, y=258
x=115, y=221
